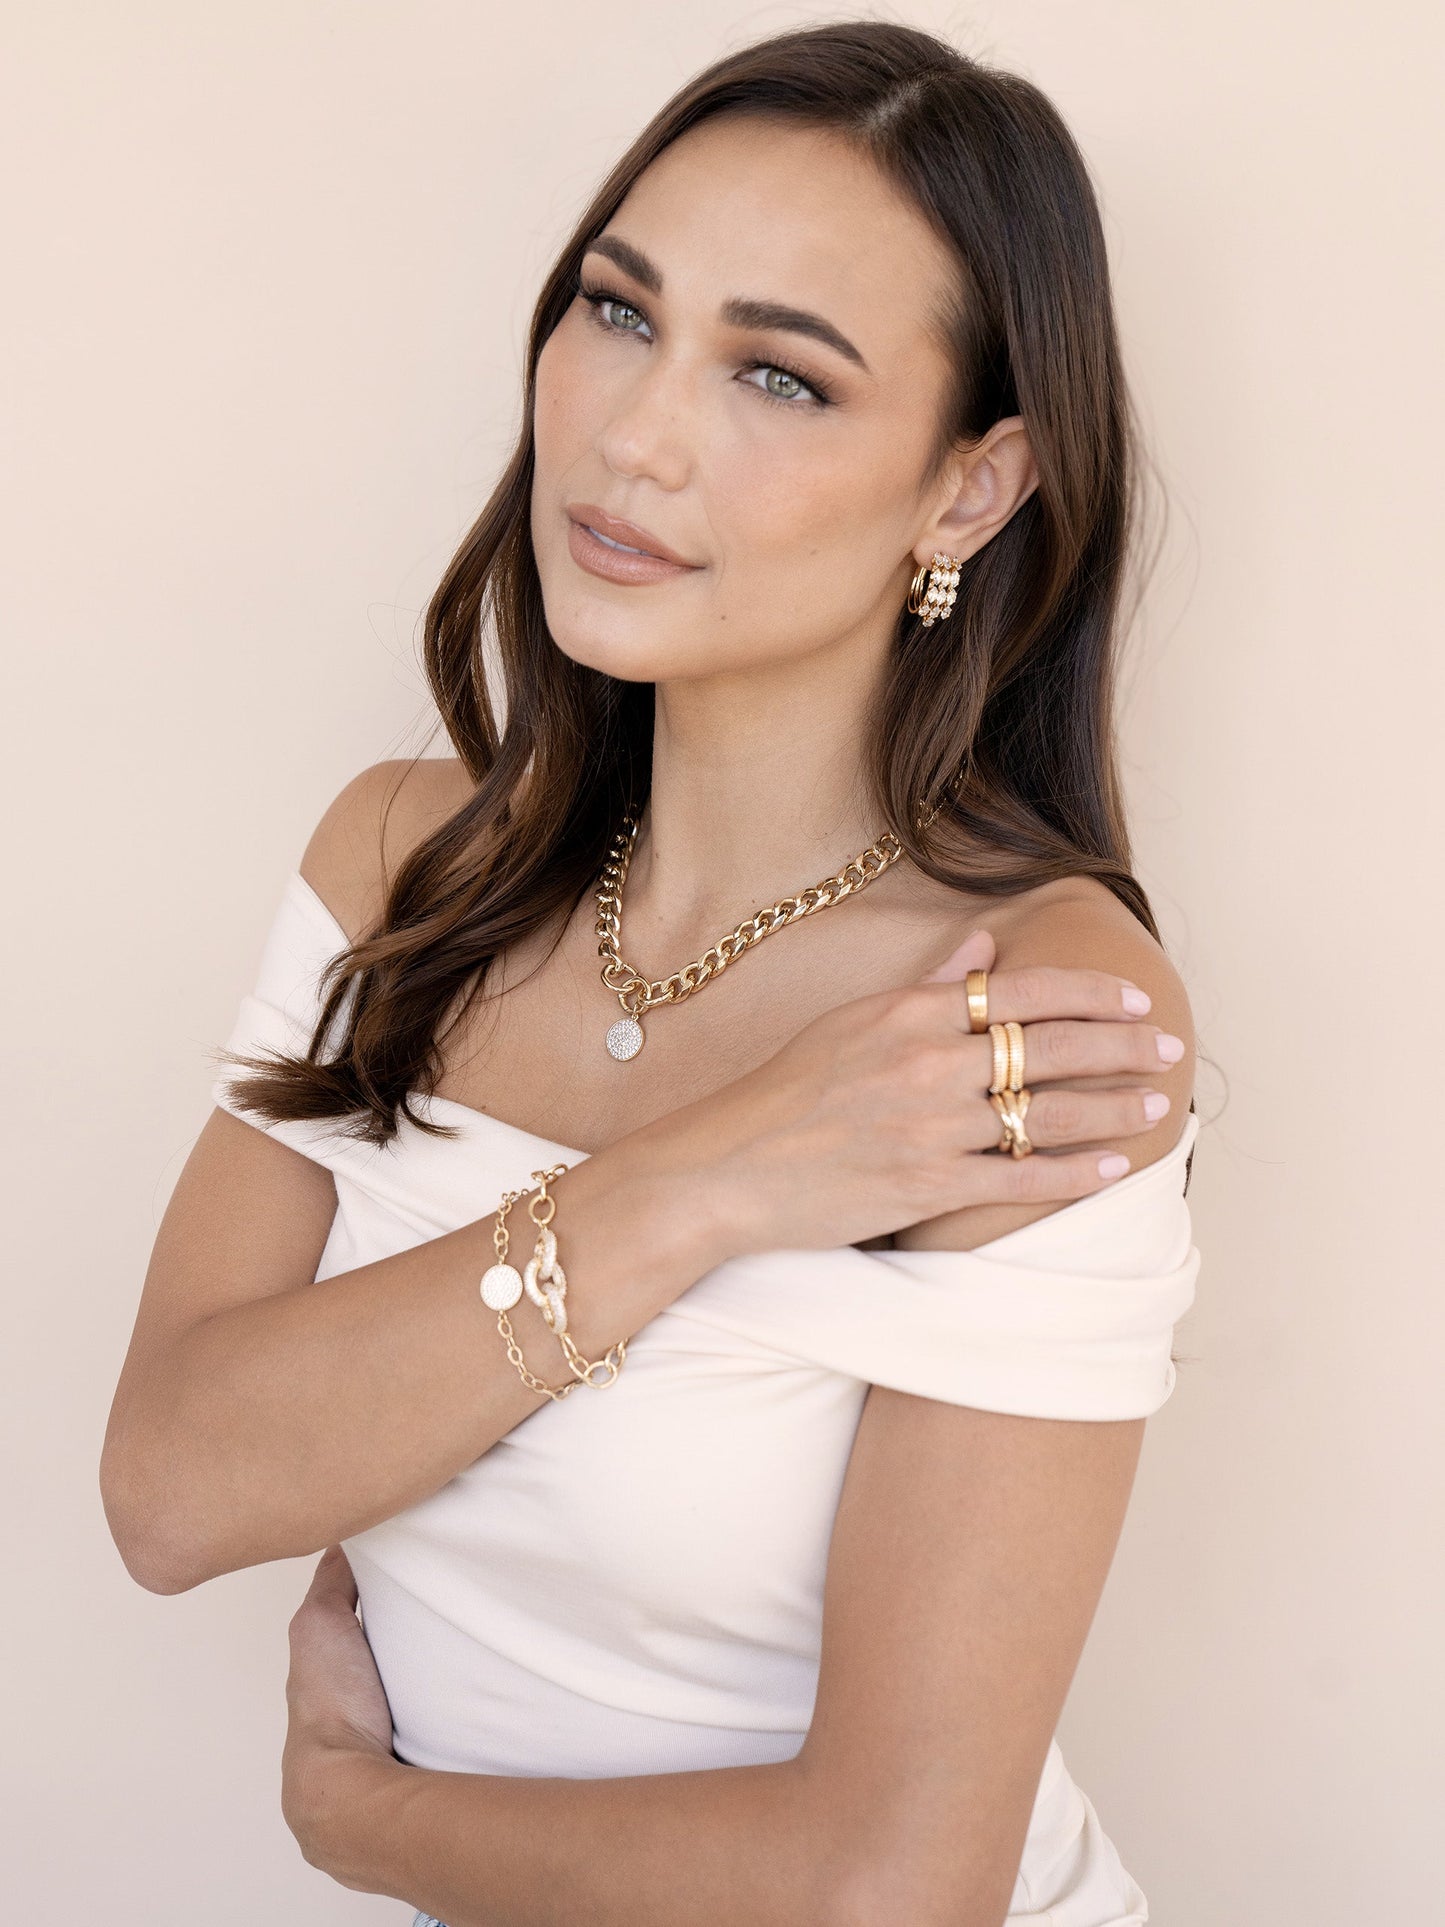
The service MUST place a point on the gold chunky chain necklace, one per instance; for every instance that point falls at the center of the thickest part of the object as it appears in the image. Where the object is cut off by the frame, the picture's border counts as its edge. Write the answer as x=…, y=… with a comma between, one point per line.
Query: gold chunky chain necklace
x=637, y=994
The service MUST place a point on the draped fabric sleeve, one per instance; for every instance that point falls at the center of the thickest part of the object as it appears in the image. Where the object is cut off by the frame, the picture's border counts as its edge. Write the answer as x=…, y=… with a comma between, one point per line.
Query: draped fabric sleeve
x=279, y=1013
x=1071, y=1316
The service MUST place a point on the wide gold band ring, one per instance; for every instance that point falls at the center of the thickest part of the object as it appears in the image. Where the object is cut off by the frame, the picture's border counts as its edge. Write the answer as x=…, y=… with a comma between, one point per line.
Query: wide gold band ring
x=1012, y=1108
x=976, y=984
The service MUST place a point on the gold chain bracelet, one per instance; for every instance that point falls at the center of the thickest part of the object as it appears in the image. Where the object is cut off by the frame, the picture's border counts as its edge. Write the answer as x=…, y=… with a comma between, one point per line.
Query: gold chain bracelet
x=545, y=1283
x=500, y=1288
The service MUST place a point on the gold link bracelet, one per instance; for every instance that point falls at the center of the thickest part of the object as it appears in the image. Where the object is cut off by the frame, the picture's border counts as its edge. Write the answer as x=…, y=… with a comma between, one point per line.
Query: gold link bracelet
x=545, y=1283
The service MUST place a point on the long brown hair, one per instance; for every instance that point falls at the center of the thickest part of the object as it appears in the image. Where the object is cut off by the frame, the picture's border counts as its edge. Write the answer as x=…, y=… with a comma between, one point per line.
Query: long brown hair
x=1005, y=710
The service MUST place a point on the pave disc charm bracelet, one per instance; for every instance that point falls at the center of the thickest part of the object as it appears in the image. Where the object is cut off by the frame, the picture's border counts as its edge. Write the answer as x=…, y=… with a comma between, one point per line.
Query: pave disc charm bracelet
x=545, y=1283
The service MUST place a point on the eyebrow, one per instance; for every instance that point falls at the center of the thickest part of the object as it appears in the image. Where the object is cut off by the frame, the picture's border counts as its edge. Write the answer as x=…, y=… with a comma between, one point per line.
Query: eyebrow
x=740, y=310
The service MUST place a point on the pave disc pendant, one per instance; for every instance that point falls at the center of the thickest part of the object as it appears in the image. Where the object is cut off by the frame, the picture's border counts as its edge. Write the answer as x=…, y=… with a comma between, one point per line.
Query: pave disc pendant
x=625, y=1039
x=501, y=1287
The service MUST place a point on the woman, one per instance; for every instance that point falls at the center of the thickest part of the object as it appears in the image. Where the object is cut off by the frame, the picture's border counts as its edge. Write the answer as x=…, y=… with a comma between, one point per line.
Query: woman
x=741, y=1572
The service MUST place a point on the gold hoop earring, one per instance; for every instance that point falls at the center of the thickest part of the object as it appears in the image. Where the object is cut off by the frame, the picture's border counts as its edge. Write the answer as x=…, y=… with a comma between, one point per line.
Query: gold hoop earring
x=934, y=602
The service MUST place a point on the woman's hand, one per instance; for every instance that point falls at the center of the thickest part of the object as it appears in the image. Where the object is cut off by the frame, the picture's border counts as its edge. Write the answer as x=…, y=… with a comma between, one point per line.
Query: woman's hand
x=876, y=1115
x=338, y=1755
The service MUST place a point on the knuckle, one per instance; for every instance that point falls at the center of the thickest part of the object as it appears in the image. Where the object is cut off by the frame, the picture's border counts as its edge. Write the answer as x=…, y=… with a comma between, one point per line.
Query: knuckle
x=932, y=1064
x=1029, y=1178
x=904, y=1009
x=1063, y=1113
x=1057, y=1046
x=914, y=1145
x=1033, y=986
x=1105, y=989
x=923, y=1179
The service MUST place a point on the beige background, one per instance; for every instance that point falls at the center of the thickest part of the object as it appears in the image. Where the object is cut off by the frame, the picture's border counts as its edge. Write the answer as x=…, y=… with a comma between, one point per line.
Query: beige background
x=270, y=266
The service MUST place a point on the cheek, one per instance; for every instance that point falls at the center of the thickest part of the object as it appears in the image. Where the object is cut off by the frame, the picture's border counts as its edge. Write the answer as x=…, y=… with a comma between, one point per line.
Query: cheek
x=559, y=419
x=816, y=524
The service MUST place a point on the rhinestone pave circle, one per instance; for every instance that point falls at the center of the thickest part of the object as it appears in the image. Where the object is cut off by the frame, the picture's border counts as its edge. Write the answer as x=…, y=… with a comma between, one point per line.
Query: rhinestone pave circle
x=624, y=1040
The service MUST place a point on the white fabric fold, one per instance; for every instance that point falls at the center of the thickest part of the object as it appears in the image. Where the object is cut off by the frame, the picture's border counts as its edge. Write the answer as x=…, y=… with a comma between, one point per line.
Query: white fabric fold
x=1072, y=1316
x=631, y=1581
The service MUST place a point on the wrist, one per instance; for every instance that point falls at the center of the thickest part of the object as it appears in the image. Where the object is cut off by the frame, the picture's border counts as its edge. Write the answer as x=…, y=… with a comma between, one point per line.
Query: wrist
x=672, y=1191
x=639, y=1222
x=701, y=1169
x=353, y=1802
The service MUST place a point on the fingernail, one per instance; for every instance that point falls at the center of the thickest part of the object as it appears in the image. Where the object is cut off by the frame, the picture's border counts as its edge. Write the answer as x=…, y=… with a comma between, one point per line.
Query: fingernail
x=1136, y=999
x=1156, y=1103
x=1114, y=1165
x=1171, y=1048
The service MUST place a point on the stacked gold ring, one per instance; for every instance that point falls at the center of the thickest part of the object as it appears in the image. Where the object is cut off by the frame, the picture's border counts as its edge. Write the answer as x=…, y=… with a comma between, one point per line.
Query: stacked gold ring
x=1006, y=1093
x=1008, y=1056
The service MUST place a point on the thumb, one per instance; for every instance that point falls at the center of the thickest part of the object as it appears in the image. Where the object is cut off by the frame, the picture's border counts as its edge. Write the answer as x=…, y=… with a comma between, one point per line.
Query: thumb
x=333, y=1579
x=976, y=952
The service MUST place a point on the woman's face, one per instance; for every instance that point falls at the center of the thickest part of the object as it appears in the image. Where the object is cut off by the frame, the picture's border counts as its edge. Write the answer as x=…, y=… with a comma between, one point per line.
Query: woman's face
x=785, y=469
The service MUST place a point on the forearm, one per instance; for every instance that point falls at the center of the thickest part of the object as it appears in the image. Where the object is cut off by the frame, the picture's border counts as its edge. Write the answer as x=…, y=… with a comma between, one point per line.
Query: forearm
x=748, y=1846
x=292, y=1421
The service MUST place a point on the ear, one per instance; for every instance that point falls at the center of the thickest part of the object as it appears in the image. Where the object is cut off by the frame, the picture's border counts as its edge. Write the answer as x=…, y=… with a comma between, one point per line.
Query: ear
x=982, y=486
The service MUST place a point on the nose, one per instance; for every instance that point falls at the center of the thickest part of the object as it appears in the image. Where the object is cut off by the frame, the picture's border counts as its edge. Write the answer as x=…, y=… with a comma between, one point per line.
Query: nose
x=650, y=426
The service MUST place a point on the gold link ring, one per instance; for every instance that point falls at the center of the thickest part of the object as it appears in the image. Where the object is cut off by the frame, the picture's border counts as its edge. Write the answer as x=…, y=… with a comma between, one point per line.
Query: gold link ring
x=1012, y=1107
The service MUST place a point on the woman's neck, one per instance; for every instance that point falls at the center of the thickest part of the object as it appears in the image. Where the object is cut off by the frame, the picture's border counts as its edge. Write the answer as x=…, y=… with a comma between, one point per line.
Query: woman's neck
x=754, y=797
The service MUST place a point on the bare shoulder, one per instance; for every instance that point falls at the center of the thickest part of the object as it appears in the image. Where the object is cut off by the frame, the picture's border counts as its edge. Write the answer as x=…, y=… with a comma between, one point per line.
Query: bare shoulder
x=370, y=827
x=1079, y=924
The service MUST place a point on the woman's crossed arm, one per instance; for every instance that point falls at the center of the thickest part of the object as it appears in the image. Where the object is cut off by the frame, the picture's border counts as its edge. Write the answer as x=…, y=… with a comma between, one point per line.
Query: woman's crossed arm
x=968, y=1555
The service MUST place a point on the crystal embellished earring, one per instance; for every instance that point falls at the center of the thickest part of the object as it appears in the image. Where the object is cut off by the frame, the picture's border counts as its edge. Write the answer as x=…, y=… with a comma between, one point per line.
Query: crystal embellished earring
x=935, y=602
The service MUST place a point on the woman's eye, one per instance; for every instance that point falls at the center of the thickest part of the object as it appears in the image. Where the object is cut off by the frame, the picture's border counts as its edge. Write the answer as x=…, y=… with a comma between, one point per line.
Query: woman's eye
x=598, y=301
x=788, y=388
x=623, y=317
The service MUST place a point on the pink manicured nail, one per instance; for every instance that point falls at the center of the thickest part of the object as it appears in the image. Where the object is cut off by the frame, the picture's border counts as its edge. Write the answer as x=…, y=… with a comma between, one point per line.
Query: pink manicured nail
x=1136, y=999
x=1171, y=1048
x=1114, y=1165
x=1156, y=1104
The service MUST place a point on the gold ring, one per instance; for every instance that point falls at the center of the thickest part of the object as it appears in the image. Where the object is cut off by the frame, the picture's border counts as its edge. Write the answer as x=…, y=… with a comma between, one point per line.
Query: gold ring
x=1015, y=1055
x=1002, y=1057
x=1012, y=1107
x=977, y=985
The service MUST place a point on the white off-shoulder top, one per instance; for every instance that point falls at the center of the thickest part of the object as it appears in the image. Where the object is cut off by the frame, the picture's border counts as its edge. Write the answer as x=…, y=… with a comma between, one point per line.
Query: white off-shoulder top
x=631, y=1581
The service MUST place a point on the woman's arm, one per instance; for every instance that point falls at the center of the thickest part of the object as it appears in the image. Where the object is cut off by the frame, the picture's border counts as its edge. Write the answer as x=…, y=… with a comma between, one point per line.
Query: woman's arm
x=748, y=1843
x=260, y=1415
x=971, y=1548
x=968, y=1555
x=751, y=1846
x=967, y=1558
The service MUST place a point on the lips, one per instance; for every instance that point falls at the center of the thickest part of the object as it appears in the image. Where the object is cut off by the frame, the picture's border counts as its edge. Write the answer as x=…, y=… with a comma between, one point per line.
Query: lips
x=616, y=529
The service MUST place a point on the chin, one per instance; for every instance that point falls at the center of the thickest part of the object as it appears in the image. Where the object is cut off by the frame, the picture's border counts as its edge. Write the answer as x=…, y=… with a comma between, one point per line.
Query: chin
x=615, y=642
